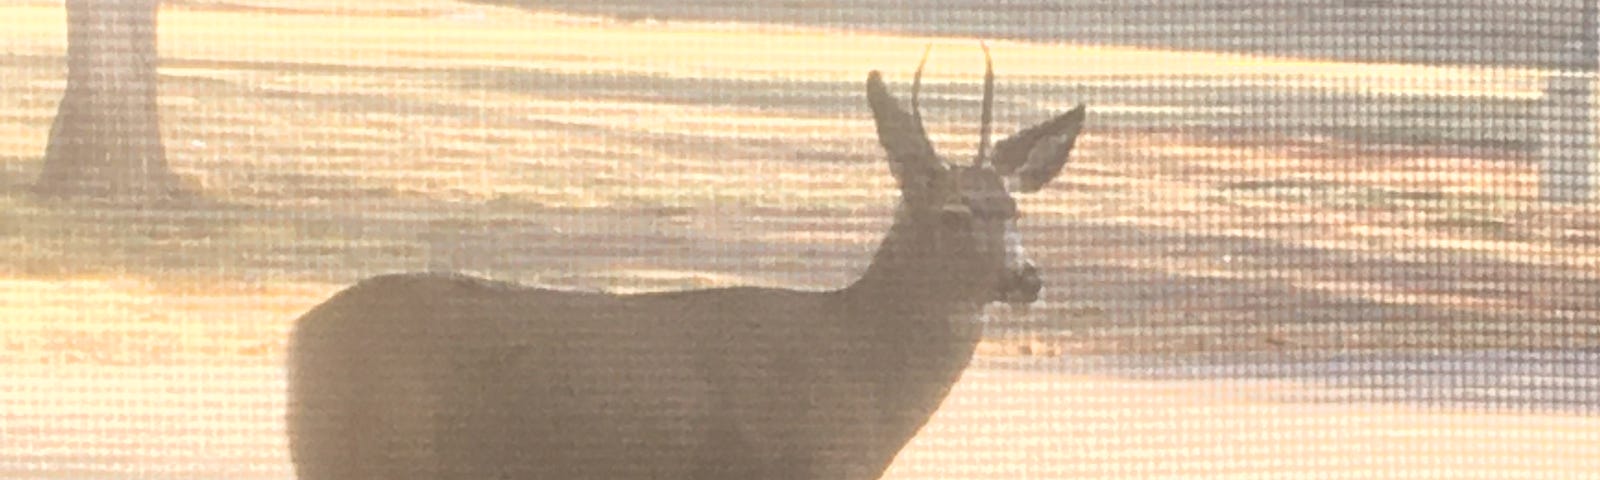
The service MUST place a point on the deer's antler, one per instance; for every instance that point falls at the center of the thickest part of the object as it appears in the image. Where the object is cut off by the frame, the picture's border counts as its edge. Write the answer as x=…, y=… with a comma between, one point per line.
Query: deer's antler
x=916, y=86
x=987, y=119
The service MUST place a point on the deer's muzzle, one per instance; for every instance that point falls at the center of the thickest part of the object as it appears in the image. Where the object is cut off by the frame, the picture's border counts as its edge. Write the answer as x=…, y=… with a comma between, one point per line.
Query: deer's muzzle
x=1021, y=286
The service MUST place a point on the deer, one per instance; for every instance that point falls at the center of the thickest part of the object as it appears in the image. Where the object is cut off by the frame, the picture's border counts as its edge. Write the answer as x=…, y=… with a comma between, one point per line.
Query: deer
x=450, y=376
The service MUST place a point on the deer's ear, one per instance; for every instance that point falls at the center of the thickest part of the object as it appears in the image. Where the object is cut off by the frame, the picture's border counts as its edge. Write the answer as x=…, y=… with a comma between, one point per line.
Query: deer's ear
x=911, y=157
x=1035, y=155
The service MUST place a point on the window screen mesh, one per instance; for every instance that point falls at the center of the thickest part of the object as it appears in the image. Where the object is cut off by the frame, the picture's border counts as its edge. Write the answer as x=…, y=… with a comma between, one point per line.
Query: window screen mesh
x=1295, y=239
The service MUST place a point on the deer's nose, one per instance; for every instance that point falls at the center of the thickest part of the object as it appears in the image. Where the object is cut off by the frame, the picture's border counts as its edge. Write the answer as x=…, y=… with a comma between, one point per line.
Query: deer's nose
x=1028, y=281
x=1022, y=285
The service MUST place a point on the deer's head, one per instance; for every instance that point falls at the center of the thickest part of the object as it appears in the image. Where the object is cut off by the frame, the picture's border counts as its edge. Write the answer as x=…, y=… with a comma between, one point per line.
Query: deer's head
x=968, y=207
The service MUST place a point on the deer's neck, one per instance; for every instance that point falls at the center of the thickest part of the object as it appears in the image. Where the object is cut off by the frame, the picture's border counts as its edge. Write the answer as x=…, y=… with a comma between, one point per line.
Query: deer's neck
x=920, y=311
x=912, y=280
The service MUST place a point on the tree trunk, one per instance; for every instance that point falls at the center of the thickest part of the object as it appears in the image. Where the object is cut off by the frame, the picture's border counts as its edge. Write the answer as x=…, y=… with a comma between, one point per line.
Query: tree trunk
x=106, y=139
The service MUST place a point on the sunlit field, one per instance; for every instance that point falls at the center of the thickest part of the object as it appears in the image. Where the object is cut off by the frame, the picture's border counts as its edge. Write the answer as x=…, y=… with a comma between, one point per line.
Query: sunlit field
x=1218, y=207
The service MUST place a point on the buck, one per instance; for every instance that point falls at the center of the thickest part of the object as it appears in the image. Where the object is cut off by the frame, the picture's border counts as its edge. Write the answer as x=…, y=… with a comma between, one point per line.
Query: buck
x=432, y=376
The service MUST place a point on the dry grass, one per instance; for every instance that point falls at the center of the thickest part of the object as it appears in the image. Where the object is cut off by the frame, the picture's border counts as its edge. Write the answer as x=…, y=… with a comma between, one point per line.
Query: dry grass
x=338, y=141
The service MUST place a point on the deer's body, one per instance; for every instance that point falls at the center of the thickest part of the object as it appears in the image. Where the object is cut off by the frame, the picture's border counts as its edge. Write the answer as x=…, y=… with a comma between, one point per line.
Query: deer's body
x=434, y=376
x=494, y=380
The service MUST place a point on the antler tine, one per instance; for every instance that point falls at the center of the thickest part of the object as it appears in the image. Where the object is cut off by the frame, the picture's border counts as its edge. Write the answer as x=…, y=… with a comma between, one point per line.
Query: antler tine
x=987, y=119
x=916, y=87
